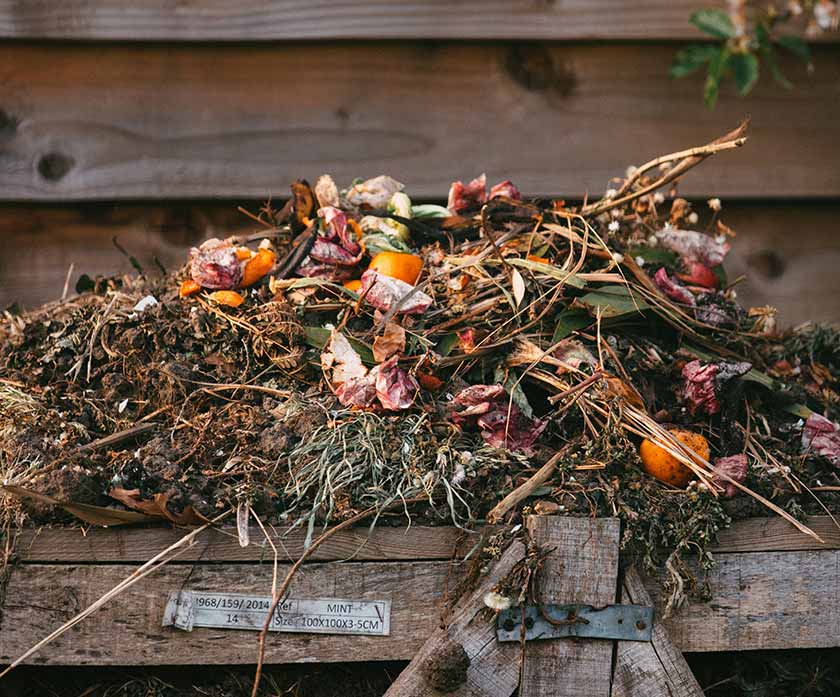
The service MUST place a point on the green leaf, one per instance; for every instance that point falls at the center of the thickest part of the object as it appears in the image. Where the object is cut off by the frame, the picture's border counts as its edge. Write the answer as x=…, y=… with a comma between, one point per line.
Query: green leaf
x=319, y=337
x=691, y=58
x=570, y=321
x=446, y=344
x=714, y=22
x=712, y=87
x=653, y=255
x=745, y=70
x=613, y=301
x=766, y=48
x=778, y=75
x=795, y=45
x=429, y=210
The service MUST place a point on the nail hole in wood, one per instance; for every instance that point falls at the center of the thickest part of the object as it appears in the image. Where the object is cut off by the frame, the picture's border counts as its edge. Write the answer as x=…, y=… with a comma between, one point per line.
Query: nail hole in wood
x=54, y=166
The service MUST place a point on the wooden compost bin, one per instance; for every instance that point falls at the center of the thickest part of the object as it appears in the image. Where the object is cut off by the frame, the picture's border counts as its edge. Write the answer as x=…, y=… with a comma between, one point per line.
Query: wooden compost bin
x=772, y=588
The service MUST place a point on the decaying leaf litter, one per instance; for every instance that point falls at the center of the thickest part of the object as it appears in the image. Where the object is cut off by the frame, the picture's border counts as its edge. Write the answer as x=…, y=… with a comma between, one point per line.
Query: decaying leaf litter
x=363, y=356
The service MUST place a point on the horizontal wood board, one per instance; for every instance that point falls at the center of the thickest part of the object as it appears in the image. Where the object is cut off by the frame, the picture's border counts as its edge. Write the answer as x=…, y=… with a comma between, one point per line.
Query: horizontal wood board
x=255, y=20
x=128, y=630
x=789, y=251
x=760, y=600
x=92, y=121
x=136, y=545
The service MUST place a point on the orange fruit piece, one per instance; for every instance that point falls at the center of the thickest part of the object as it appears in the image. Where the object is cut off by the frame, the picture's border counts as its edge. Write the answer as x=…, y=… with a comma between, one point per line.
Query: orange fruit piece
x=659, y=463
x=243, y=253
x=355, y=285
x=257, y=267
x=405, y=267
x=227, y=297
x=539, y=260
x=188, y=287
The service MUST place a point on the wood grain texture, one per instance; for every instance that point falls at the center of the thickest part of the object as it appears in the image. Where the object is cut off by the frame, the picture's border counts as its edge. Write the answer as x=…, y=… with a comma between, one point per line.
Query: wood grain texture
x=650, y=669
x=777, y=535
x=254, y=20
x=789, y=251
x=494, y=666
x=87, y=121
x=138, y=545
x=63, y=545
x=128, y=631
x=763, y=600
x=582, y=567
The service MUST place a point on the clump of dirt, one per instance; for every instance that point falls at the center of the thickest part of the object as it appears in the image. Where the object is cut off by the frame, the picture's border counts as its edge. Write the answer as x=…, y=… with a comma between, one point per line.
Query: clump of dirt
x=446, y=669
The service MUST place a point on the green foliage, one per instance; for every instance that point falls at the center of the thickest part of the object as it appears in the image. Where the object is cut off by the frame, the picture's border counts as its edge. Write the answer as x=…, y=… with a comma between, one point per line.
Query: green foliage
x=714, y=22
x=733, y=56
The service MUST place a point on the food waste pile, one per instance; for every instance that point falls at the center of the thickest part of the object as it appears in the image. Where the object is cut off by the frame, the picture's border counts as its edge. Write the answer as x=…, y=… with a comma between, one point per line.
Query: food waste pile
x=364, y=352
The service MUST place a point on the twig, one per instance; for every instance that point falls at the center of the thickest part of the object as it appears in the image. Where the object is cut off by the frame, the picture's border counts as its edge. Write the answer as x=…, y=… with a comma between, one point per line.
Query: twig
x=687, y=159
x=118, y=437
x=67, y=278
x=523, y=491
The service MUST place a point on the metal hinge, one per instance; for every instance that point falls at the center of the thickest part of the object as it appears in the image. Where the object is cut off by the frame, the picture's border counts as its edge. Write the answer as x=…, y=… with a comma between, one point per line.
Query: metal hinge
x=624, y=622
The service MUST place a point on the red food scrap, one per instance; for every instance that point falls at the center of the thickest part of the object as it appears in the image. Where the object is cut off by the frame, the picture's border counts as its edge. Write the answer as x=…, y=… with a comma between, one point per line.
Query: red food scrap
x=675, y=291
x=395, y=388
x=822, y=437
x=735, y=467
x=698, y=274
x=501, y=422
x=464, y=197
x=215, y=265
x=507, y=189
x=384, y=292
x=699, y=387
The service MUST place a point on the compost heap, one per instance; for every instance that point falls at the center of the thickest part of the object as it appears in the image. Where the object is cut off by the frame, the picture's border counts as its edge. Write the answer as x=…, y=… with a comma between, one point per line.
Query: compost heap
x=424, y=361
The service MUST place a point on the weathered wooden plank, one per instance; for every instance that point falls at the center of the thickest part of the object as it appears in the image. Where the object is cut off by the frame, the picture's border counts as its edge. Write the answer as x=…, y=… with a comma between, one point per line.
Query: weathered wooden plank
x=254, y=20
x=128, y=631
x=494, y=666
x=765, y=600
x=650, y=669
x=138, y=545
x=582, y=567
x=83, y=121
x=777, y=535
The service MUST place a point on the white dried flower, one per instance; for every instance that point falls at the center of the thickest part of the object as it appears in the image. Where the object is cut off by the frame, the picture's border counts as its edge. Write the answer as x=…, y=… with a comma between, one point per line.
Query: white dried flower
x=496, y=602
x=640, y=262
x=613, y=226
x=659, y=197
x=459, y=475
x=631, y=170
x=714, y=204
x=618, y=257
x=615, y=213
x=693, y=218
x=795, y=8
x=667, y=225
x=610, y=193
x=825, y=14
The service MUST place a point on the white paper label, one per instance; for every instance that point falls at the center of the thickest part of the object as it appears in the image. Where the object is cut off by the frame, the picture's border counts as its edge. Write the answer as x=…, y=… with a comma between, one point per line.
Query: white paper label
x=188, y=609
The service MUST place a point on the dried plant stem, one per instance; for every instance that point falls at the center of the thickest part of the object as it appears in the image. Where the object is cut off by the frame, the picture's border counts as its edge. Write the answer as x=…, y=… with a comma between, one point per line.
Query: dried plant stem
x=686, y=160
x=523, y=491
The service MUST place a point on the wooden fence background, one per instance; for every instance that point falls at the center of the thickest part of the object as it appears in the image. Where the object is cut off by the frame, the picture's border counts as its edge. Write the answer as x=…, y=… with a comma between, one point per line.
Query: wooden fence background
x=151, y=121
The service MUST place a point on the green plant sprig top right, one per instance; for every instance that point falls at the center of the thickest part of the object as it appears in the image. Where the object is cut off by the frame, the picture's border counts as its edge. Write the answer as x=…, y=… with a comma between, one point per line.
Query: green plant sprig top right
x=748, y=36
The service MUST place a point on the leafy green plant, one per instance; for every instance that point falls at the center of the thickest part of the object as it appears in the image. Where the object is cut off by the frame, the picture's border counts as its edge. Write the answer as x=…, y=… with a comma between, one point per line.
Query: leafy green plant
x=738, y=52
